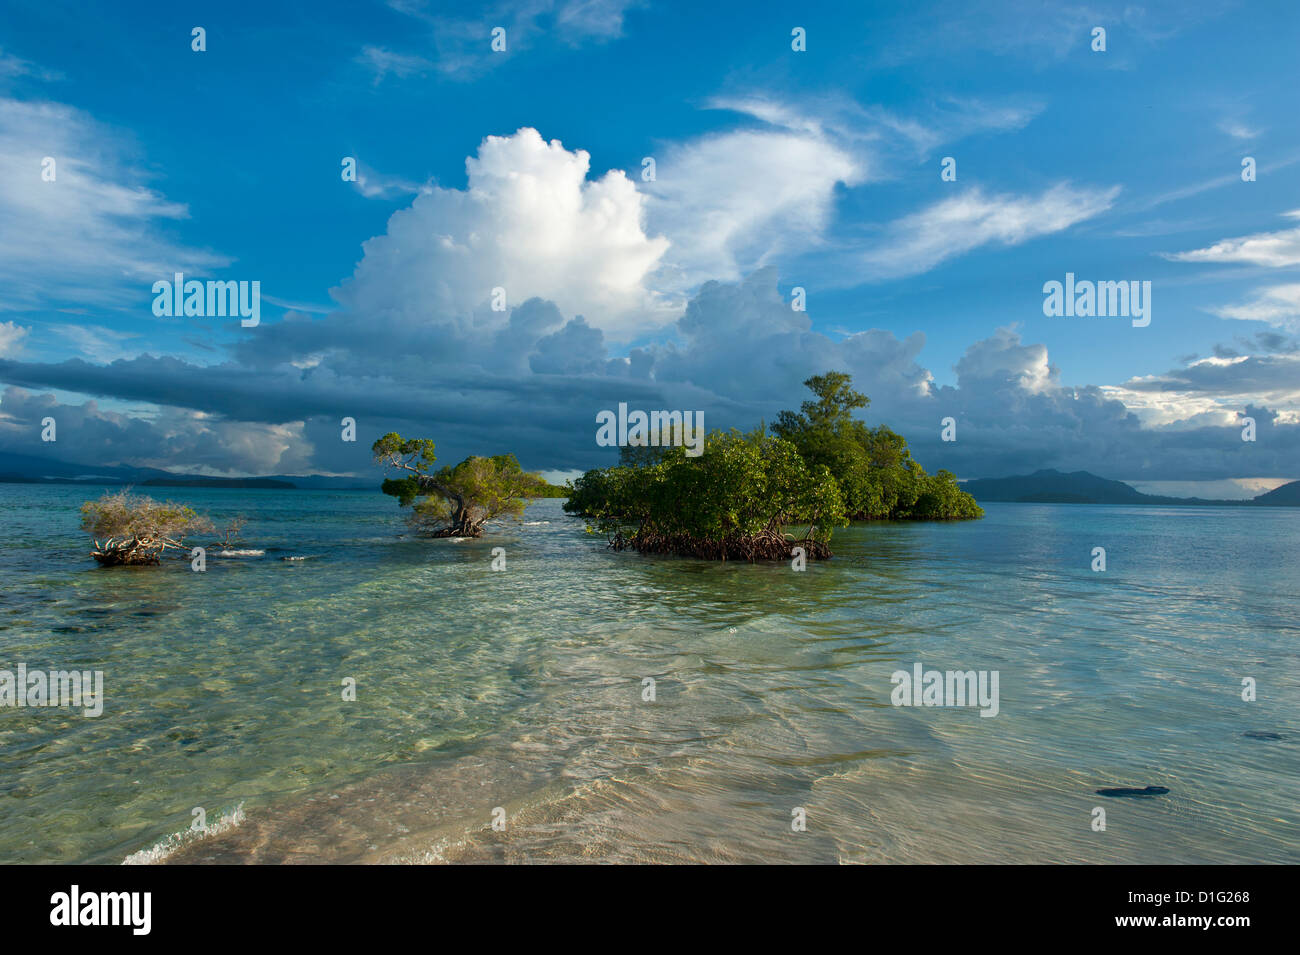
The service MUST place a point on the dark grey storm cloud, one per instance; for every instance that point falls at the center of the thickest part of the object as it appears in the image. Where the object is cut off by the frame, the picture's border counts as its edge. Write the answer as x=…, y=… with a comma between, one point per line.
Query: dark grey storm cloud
x=531, y=381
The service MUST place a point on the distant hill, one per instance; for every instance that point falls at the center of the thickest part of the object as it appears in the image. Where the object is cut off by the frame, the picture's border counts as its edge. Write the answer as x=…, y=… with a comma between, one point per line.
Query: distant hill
x=30, y=469
x=1056, y=487
x=1288, y=495
x=1050, y=486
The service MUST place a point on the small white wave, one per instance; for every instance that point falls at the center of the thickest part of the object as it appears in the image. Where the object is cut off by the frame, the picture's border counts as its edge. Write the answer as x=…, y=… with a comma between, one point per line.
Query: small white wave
x=241, y=553
x=300, y=557
x=457, y=540
x=161, y=850
x=534, y=523
x=437, y=855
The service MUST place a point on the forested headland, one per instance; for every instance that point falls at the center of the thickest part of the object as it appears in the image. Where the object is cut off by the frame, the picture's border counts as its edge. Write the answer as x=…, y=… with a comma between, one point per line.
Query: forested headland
x=817, y=469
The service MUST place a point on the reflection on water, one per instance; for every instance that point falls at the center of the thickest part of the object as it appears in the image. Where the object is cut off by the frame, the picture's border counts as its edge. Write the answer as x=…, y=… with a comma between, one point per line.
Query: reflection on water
x=523, y=690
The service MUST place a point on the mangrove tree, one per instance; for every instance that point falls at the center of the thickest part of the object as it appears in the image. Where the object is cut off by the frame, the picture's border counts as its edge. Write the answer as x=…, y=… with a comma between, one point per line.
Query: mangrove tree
x=453, y=502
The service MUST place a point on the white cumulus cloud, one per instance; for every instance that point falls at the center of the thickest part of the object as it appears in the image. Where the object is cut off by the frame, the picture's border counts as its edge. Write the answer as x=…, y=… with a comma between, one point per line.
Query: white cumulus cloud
x=10, y=335
x=531, y=223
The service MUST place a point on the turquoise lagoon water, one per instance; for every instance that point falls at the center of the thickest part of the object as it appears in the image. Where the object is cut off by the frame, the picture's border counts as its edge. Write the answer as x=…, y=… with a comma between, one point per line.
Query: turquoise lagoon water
x=522, y=690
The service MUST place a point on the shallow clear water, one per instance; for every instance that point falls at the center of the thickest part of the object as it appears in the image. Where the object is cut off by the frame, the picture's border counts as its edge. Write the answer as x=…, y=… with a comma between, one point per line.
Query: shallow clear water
x=522, y=690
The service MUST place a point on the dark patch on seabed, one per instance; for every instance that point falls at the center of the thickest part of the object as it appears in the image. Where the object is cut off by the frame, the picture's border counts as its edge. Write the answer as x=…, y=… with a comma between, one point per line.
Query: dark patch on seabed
x=1261, y=734
x=1136, y=793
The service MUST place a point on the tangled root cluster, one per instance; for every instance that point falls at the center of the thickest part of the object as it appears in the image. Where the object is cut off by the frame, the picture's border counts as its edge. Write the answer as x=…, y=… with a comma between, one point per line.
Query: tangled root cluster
x=768, y=545
x=132, y=551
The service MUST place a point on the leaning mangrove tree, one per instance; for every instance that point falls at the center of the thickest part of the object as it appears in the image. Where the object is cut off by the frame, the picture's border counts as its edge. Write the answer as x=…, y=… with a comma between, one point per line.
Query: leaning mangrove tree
x=733, y=502
x=453, y=501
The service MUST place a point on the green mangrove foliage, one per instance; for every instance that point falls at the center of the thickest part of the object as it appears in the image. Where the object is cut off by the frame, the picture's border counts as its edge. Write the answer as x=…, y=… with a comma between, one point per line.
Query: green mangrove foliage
x=873, y=466
x=819, y=467
x=551, y=490
x=453, y=502
x=732, y=502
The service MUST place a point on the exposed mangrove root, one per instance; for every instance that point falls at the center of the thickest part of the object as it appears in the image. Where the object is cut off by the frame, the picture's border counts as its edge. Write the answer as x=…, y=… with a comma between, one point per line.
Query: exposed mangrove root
x=467, y=529
x=131, y=551
x=770, y=544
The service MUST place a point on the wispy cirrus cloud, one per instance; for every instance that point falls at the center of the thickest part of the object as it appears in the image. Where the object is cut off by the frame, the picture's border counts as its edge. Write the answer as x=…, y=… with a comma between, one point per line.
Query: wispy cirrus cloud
x=734, y=201
x=94, y=232
x=12, y=67
x=1237, y=129
x=377, y=185
x=855, y=126
x=383, y=62
x=1044, y=33
x=459, y=47
x=1279, y=305
x=952, y=227
x=730, y=202
x=1273, y=249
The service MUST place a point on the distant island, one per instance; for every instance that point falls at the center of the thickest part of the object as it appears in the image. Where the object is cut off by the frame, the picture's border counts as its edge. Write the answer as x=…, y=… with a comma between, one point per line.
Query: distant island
x=1050, y=486
x=219, y=482
x=33, y=469
x=1047, y=486
x=30, y=469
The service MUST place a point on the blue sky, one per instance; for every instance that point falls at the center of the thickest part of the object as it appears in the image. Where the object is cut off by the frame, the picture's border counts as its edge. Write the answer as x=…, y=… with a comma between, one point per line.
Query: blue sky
x=774, y=169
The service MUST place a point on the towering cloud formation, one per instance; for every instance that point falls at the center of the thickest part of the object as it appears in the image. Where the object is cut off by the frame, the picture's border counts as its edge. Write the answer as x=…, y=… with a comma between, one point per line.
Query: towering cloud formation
x=529, y=223
x=416, y=345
